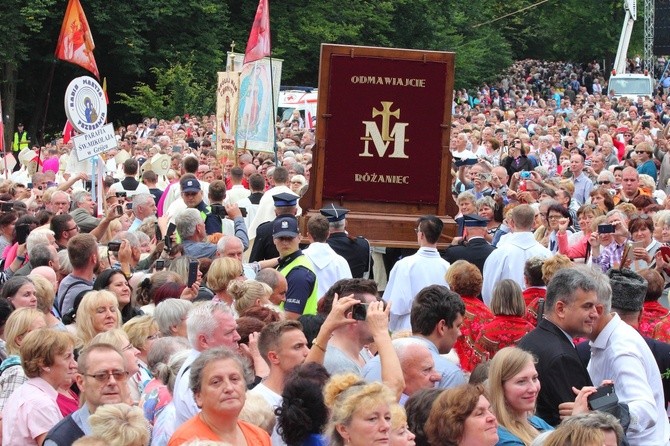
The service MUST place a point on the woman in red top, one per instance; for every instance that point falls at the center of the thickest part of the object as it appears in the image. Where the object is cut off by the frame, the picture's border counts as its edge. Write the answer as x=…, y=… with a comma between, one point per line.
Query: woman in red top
x=465, y=279
x=652, y=311
x=508, y=325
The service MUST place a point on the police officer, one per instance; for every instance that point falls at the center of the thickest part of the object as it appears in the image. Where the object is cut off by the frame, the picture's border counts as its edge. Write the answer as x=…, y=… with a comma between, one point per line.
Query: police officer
x=302, y=292
x=264, y=247
x=355, y=250
x=474, y=248
x=19, y=143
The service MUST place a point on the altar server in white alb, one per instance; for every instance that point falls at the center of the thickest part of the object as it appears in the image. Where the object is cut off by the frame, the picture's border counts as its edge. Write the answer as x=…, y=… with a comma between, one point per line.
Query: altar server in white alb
x=328, y=265
x=507, y=262
x=411, y=274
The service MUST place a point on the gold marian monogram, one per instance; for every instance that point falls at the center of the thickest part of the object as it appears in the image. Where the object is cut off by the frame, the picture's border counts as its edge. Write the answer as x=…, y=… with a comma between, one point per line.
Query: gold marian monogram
x=382, y=139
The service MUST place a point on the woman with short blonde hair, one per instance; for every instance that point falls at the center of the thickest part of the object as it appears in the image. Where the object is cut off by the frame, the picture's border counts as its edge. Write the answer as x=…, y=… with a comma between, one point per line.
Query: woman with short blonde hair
x=18, y=325
x=98, y=312
x=120, y=425
x=221, y=272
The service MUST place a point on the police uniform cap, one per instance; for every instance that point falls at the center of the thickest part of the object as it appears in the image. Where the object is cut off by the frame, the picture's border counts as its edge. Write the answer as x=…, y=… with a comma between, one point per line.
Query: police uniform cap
x=190, y=185
x=285, y=226
x=474, y=221
x=285, y=199
x=334, y=213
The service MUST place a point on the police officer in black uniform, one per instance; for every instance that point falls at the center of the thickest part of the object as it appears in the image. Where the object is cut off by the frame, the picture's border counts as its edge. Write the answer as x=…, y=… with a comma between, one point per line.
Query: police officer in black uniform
x=356, y=250
x=474, y=248
x=264, y=247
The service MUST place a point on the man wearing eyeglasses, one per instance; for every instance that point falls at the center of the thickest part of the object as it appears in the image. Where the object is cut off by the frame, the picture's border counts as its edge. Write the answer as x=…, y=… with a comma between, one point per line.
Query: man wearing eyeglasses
x=64, y=228
x=102, y=380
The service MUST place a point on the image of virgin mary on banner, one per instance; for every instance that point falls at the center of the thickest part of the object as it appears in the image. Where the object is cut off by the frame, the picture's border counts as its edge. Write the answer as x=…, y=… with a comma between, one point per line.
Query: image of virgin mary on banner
x=256, y=115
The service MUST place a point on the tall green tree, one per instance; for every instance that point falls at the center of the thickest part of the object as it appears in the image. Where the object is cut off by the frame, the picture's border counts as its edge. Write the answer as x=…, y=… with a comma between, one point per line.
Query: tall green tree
x=20, y=20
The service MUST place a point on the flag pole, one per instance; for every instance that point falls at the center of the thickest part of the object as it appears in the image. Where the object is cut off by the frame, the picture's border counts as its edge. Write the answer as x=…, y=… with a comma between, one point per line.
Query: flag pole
x=274, y=109
x=44, y=114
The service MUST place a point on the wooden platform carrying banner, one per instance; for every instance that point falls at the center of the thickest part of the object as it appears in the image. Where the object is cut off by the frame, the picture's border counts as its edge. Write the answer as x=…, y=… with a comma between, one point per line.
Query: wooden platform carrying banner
x=382, y=149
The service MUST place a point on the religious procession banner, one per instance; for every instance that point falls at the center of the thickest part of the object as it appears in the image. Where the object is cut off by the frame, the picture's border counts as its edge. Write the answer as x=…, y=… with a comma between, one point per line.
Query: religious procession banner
x=227, y=94
x=257, y=108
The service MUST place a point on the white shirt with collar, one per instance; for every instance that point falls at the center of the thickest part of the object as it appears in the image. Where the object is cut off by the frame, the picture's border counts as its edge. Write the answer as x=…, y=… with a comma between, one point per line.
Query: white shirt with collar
x=620, y=354
x=409, y=276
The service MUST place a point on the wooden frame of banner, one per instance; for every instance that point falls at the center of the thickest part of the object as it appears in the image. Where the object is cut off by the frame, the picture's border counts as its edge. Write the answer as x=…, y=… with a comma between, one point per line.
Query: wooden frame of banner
x=382, y=223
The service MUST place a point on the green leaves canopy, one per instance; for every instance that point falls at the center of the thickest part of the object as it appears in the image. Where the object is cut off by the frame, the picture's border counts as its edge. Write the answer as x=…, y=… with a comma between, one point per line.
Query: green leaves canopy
x=161, y=58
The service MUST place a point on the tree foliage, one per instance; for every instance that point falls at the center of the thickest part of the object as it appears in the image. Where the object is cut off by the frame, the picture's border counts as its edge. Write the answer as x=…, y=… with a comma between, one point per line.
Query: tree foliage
x=143, y=48
x=177, y=92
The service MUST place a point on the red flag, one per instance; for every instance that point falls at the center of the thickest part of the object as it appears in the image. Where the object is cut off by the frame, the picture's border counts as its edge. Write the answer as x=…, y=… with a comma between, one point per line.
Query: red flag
x=75, y=43
x=308, y=117
x=68, y=132
x=258, y=45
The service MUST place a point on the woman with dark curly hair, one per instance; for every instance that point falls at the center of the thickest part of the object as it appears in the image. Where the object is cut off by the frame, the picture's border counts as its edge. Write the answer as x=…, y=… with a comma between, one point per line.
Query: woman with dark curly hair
x=303, y=414
x=461, y=416
x=115, y=281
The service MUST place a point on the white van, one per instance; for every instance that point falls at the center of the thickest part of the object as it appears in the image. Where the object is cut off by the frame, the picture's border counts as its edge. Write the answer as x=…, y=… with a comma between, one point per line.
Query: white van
x=630, y=86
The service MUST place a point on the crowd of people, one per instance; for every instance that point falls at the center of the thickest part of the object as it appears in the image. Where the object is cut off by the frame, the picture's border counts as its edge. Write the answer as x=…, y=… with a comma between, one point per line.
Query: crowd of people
x=168, y=297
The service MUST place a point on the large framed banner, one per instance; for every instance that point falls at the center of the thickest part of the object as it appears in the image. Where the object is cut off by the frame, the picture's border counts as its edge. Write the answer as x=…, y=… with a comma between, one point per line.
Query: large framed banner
x=227, y=94
x=259, y=90
x=383, y=127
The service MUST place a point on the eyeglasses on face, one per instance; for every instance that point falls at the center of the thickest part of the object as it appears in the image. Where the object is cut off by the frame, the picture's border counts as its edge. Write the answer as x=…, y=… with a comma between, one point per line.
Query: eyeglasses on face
x=104, y=376
x=604, y=182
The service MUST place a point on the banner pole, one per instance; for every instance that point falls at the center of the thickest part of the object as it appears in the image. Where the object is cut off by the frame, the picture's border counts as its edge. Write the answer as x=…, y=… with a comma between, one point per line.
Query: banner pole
x=274, y=112
x=94, y=177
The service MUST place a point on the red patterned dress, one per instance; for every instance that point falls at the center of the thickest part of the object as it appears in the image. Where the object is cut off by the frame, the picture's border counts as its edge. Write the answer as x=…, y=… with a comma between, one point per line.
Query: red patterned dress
x=477, y=314
x=503, y=331
x=652, y=313
x=531, y=296
x=662, y=330
x=532, y=293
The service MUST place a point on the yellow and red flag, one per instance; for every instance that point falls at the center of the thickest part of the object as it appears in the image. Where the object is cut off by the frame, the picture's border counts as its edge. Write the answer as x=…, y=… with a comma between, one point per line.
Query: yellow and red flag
x=104, y=89
x=75, y=43
x=258, y=45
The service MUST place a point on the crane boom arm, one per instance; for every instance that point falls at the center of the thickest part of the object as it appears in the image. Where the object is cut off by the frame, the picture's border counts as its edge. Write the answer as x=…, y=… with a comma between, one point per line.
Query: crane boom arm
x=631, y=16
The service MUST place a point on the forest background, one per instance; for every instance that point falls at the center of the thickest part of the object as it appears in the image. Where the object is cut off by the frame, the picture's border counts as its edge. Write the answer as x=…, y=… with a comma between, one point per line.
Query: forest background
x=160, y=58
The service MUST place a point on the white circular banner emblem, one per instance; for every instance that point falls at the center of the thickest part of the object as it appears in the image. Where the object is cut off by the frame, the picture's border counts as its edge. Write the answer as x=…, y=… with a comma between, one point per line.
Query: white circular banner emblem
x=85, y=104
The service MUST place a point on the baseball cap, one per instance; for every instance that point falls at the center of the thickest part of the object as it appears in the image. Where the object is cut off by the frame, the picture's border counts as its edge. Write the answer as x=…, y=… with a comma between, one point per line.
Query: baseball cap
x=190, y=185
x=285, y=226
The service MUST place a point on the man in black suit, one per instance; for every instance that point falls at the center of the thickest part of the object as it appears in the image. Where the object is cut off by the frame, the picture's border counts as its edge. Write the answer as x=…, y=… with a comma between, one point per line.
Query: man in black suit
x=570, y=311
x=474, y=248
x=355, y=250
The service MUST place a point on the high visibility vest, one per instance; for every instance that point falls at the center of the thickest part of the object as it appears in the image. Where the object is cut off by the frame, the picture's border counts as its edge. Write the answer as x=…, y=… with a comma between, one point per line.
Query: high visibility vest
x=313, y=299
x=20, y=142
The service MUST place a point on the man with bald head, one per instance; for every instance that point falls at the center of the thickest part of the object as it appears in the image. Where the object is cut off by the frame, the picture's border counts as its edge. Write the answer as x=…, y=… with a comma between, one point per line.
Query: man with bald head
x=630, y=185
x=48, y=273
x=417, y=365
x=231, y=246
